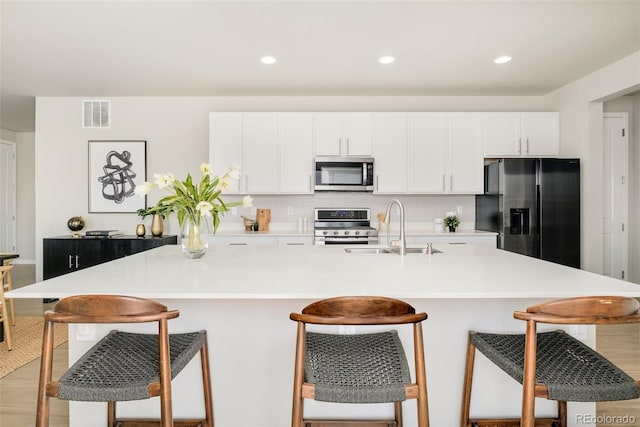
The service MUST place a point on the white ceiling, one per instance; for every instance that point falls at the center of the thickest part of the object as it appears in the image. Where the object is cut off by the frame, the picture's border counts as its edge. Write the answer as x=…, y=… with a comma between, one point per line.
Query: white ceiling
x=206, y=48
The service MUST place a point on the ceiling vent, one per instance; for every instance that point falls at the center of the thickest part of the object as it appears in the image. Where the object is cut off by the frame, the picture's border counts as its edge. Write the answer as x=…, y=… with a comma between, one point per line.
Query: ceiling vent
x=96, y=114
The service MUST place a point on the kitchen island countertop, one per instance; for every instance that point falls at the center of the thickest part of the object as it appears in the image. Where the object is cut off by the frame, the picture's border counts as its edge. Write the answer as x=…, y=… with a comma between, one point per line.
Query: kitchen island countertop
x=242, y=297
x=281, y=272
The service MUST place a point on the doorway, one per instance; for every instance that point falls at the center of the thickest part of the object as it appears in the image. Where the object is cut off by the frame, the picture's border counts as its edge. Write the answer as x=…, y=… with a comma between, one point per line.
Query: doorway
x=615, y=195
x=7, y=196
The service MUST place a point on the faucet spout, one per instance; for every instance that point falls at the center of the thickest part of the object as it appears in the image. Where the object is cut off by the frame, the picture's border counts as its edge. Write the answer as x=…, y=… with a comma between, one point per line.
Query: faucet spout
x=401, y=243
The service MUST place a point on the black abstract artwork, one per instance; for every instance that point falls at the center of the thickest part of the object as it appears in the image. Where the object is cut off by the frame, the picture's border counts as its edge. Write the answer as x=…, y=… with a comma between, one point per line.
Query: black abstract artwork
x=118, y=179
x=114, y=169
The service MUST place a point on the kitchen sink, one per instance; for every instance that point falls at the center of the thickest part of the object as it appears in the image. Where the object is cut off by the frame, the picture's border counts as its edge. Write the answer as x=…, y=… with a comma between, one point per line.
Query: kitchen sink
x=378, y=250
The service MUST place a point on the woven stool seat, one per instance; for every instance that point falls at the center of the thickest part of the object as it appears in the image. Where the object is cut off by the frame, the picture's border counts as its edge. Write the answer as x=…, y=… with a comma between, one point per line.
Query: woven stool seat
x=571, y=370
x=122, y=365
x=363, y=368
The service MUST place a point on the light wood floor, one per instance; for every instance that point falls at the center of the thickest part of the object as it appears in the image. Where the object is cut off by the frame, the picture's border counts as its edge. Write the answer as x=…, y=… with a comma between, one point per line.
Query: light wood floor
x=18, y=390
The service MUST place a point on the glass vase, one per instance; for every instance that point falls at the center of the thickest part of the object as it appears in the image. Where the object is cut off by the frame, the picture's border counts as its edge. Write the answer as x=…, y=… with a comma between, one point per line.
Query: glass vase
x=195, y=237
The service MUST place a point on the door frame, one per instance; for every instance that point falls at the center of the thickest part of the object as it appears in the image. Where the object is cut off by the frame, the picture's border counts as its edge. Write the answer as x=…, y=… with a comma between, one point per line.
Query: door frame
x=624, y=116
x=10, y=187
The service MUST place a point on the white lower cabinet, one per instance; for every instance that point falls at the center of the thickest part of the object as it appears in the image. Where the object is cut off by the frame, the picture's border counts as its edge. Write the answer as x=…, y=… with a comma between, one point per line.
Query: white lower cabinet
x=260, y=240
x=442, y=241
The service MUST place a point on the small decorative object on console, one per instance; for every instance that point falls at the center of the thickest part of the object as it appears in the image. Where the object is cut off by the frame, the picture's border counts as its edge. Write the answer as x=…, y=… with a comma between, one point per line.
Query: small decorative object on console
x=75, y=224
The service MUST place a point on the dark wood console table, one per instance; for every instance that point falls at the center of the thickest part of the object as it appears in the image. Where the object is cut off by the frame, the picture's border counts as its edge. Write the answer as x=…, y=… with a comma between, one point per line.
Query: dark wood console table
x=66, y=254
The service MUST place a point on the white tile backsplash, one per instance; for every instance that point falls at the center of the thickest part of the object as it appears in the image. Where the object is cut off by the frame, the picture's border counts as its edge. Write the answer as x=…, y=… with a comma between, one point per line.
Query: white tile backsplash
x=418, y=208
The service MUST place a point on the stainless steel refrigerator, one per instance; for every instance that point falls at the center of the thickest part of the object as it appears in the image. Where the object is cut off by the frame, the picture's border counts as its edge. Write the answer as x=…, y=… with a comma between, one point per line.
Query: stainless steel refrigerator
x=534, y=206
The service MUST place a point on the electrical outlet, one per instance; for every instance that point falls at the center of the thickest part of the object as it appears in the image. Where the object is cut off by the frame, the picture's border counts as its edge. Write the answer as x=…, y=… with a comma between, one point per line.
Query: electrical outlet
x=579, y=332
x=346, y=329
x=290, y=210
x=85, y=332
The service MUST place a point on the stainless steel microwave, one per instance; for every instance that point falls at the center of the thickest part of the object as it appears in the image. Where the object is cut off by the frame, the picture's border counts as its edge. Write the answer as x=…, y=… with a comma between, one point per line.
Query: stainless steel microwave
x=343, y=173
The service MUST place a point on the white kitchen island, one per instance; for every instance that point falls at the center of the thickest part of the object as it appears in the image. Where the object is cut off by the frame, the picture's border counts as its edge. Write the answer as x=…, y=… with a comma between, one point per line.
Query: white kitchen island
x=243, y=296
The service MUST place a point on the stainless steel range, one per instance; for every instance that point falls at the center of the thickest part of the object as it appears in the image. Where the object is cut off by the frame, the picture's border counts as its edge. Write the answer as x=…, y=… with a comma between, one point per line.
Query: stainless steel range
x=344, y=226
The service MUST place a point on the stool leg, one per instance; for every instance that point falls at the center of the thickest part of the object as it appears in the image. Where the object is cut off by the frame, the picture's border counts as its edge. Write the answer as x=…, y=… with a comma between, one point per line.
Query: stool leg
x=421, y=376
x=468, y=379
x=298, y=377
x=8, y=287
x=5, y=322
x=111, y=413
x=46, y=366
x=562, y=412
x=206, y=383
x=397, y=407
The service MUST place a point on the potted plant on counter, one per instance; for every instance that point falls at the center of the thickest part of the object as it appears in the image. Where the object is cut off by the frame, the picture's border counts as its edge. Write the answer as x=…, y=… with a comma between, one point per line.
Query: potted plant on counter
x=452, y=221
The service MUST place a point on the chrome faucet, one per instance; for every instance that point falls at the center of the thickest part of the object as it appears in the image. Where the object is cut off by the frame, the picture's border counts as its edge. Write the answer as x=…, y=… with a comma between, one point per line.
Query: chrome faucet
x=401, y=243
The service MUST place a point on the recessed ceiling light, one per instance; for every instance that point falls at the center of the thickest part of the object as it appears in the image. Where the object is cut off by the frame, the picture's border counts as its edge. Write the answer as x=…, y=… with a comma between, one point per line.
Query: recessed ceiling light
x=386, y=59
x=502, y=59
x=268, y=60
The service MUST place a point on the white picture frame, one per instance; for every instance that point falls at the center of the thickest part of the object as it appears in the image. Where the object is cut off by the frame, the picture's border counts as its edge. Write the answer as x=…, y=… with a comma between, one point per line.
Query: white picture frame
x=115, y=168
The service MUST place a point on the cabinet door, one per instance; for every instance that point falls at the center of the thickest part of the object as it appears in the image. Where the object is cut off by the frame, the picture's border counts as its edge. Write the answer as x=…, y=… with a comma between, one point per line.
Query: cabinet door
x=358, y=129
x=261, y=152
x=296, y=152
x=465, y=164
x=58, y=257
x=427, y=153
x=502, y=135
x=540, y=134
x=328, y=133
x=62, y=256
x=390, y=151
x=225, y=144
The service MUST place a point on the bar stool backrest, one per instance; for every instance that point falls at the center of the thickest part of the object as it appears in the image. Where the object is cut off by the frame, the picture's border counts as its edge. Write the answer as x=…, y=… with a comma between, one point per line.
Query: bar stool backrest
x=108, y=309
x=584, y=310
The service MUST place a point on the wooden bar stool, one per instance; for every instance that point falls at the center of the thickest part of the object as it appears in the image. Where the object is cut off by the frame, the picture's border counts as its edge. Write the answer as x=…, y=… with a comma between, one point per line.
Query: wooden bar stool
x=8, y=284
x=122, y=366
x=554, y=365
x=359, y=368
x=4, y=316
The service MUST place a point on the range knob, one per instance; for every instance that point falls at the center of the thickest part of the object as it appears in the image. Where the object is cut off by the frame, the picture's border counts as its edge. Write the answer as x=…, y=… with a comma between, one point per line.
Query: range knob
x=324, y=233
x=335, y=233
x=346, y=232
x=357, y=233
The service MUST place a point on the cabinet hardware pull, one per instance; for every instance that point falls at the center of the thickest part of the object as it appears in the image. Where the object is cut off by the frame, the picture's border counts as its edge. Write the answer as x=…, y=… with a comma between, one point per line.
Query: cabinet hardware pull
x=70, y=262
x=237, y=244
x=519, y=145
x=527, y=145
x=339, y=145
x=77, y=263
x=347, y=146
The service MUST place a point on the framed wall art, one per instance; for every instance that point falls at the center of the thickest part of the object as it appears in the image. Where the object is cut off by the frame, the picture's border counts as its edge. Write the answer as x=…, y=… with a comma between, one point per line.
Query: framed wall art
x=115, y=167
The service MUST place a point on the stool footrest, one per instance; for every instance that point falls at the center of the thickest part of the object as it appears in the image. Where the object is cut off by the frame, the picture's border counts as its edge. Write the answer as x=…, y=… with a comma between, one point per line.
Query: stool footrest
x=349, y=423
x=147, y=422
x=511, y=422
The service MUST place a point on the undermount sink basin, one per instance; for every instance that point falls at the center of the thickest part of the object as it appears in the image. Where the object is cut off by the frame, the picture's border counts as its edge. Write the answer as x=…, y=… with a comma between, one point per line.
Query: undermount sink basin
x=369, y=250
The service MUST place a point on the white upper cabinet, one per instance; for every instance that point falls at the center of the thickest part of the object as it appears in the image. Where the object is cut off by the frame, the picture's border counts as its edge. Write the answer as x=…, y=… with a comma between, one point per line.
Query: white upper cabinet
x=296, y=152
x=521, y=134
x=445, y=153
x=344, y=134
x=260, y=152
x=275, y=150
x=390, y=152
x=225, y=144
x=465, y=160
x=427, y=152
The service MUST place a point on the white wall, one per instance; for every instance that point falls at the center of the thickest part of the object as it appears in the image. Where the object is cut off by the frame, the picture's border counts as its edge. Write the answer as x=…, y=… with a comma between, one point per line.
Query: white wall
x=580, y=104
x=176, y=131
